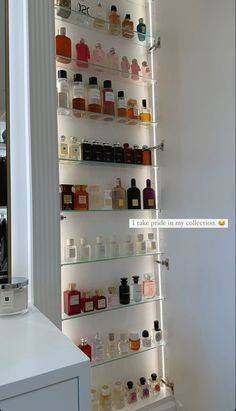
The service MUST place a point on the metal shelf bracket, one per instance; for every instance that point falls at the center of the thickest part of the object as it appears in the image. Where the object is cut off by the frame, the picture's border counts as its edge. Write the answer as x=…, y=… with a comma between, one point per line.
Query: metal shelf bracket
x=165, y=263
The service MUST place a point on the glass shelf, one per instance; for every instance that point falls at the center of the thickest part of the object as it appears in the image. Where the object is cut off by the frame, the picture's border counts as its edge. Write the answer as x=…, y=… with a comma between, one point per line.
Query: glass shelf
x=67, y=161
x=108, y=211
x=95, y=260
x=130, y=354
x=112, y=308
x=154, y=402
x=87, y=22
x=96, y=69
x=102, y=118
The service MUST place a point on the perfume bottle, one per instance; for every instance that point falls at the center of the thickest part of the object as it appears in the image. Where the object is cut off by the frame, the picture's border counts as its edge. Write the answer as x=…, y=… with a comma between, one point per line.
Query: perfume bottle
x=125, y=67
x=114, y=22
x=63, y=148
x=156, y=332
x=145, y=69
x=112, y=59
x=108, y=152
x=149, y=198
x=99, y=21
x=98, y=348
x=143, y=388
x=147, y=156
x=137, y=289
x=94, y=400
x=134, y=341
x=74, y=149
x=70, y=251
x=105, y=399
x=111, y=346
x=99, y=57
x=124, y=291
x=85, y=347
x=80, y=198
x=107, y=200
x=145, y=113
x=72, y=302
x=128, y=27
x=118, y=196
x=100, y=301
x=62, y=90
x=108, y=98
x=140, y=244
x=128, y=246
x=113, y=298
x=123, y=344
x=149, y=286
x=63, y=47
x=97, y=151
x=118, y=153
x=121, y=105
x=83, y=54
x=63, y=8
x=114, y=248
x=86, y=150
x=128, y=154
x=133, y=196
x=84, y=249
x=95, y=197
x=151, y=243
x=154, y=384
x=87, y=304
x=100, y=248
x=132, y=109
x=131, y=393
x=146, y=339
x=138, y=154
x=78, y=94
x=94, y=96
x=141, y=30
x=135, y=69
x=67, y=197
x=118, y=396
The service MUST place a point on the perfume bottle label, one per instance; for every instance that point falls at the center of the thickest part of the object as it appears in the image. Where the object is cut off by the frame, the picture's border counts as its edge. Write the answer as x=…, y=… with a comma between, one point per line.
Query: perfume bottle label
x=78, y=90
x=157, y=387
x=62, y=87
x=109, y=96
x=74, y=300
x=145, y=392
x=135, y=111
x=101, y=303
x=74, y=149
x=143, y=246
x=88, y=306
x=153, y=245
x=94, y=94
x=67, y=199
x=82, y=199
x=122, y=104
x=150, y=202
x=72, y=253
x=107, y=202
x=63, y=148
x=120, y=202
x=107, y=404
x=133, y=396
x=135, y=203
x=7, y=299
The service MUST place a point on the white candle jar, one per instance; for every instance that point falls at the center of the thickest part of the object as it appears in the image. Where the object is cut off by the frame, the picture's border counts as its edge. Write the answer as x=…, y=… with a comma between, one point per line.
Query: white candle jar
x=14, y=296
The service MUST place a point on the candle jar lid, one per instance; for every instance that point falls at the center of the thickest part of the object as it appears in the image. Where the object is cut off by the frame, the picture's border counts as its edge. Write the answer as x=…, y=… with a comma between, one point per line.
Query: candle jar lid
x=15, y=282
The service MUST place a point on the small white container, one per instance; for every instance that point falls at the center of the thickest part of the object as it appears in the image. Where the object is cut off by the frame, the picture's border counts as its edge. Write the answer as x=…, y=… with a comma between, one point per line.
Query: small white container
x=14, y=296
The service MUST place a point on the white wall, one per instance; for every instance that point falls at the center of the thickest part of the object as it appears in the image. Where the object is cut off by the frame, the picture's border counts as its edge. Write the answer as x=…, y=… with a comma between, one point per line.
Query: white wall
x=197, y=121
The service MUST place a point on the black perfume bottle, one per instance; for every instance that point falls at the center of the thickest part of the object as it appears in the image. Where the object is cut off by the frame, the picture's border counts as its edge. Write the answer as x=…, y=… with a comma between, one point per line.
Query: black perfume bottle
x=86, y=150
x=138, y=154
x=133, y=196
x=124, y=291
x=97, y=151
x=108, y=152
x=118, y=153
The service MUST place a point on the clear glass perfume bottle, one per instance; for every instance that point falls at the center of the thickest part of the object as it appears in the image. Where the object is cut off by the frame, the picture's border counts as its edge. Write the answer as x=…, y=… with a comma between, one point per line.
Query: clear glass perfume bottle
x=146, y=339
x=111, y=346
x=145, y=114
x=140, y=244
x=94, y=400
x=98, y=348
x=107, y=200
x=95, y=197
x=151, y=243
x=118, y=396
x=99, y=14
x=84, y=249
x=62, y=91
x=105, y=399
x=149, y=286
x=137, y=289
x=70, y=251
x=100, y=248
x=114, y=247
x=131, y=393
x=63, y=147
x=154, y=383
x=144, y=391
x=74, y=149
x=123, y=344
x=128, y=246
x=118, y=196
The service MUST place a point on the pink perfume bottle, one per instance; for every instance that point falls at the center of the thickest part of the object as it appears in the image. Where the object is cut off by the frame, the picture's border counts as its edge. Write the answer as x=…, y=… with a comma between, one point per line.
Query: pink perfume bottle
x=149, y=286
x=125, y=67
x=145, y=70
x=99, y=57
x=83, y=54
x=135, y=69
x=113, y=59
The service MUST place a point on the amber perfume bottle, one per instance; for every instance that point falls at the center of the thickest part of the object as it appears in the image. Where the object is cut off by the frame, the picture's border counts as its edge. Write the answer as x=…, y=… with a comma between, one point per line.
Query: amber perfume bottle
x=72, y=303
x=114, y=22
x=121, y=104
x=94, y=96
x=133, y=196
x=138, y=154
x=128, y=154
x=149, y=198
x=78, y=95
x=108, y=98
x=128, y=27
x=63, y=47
x=145, y=113
x=81, y=197
x=118, y=196
x=147, y=156
x=67, y=197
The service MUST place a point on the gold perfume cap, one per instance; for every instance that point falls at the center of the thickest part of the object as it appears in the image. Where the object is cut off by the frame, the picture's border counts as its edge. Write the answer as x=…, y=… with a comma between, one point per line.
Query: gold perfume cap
x=71, y=286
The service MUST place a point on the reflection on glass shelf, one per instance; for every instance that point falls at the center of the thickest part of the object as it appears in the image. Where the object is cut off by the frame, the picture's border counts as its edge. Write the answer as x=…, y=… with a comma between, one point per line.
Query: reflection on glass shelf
x=112, y=308
x=103, y=164
x=94, y=260
x=95, y=69
x=103, y=118
x=108, y=211
x=130, y=354
x=89, y=22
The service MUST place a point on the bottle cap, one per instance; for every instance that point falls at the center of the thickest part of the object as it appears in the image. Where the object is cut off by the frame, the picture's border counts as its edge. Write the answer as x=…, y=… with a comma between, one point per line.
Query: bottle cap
x=78, y=77
x=144, y=103
x=97, y=337
x=84, y=340
x=150, y=236
x=105, y=390
x=127, y=16
x=148, y=182
x=126, y=145
x=62, y=31
x=121, y=94
x=85, y=141
x=95, y=142
x=140, y=237
x=136, y=146
x=124, y=280
x=156, y=325
x=135, y=278
x=107, y=84
x=134, y=336
x=74, y=139
x=145, y=334
x=82, y=241
x=145, y=147
x=124, y=337
x=133, y=182
x=111, y=337
x=118, y=386
x=62, y=74
x=154, y=377
x=106, y=143
x=93, y=80
x=116, y=145
x=140, y=20
x=93, y=394
x=147, y=276
x=113, y=8
x=99, y=240
x=142, y=380
x=71, y=286
x=130, y=385
x=118, y=182
x=63, y=138
x=93, y=189
x=70, y=241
